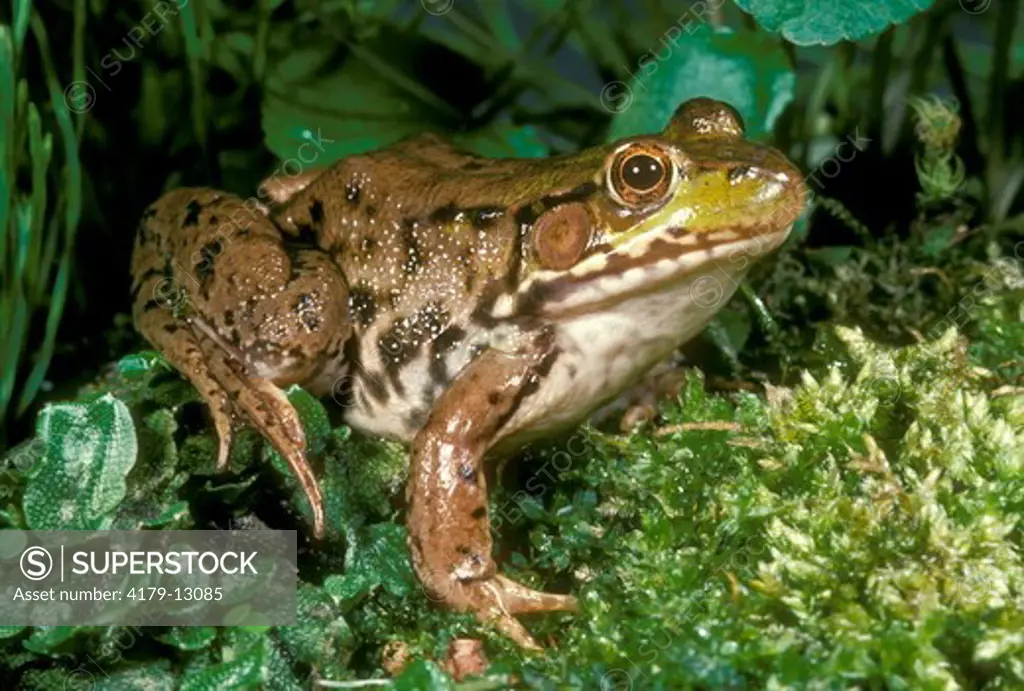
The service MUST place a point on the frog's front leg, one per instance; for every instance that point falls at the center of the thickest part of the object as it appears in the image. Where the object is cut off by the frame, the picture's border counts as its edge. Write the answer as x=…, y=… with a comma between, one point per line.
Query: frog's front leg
x=449, y=531
x=279, y=190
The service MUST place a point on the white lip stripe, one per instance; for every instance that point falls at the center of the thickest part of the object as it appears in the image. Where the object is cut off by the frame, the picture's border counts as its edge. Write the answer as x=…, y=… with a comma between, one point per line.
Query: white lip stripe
x=729, y=252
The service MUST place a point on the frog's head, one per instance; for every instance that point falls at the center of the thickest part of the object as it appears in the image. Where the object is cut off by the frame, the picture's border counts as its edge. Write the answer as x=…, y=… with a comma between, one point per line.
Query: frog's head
x=659, y=210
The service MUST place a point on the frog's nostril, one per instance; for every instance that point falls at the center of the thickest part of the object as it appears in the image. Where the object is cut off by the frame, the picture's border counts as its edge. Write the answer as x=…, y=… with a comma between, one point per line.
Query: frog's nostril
x=740, y=173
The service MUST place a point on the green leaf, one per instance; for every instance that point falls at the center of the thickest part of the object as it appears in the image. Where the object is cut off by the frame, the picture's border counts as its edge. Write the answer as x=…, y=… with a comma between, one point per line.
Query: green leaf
x=423, y=675
x=189, y=637
x=322, y=636
x=937, y=240
x=504, y=141
x=155, y=676
x=282, y=676
x=314, y=119
x=350, y=589
x=747, y=70
x=80, y=480
x=243, y=667
x=10, y=631
x=22, y=11
x=499, y=21
x=807, y=22
x=373, y=472
x=381, y=555
x=312, y=116
x=137, y=365
x=47, y=638
x=155, y=478
x=368, y=13
x=729, y=330
x=545, y=6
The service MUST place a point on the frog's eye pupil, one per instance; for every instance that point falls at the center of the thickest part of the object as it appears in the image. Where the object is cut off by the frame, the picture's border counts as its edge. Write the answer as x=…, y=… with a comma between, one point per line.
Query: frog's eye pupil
x=642, y=172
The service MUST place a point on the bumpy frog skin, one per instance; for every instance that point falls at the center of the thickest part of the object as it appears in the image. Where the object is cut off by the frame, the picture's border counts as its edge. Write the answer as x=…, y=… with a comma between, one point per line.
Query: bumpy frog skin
x=459, y=304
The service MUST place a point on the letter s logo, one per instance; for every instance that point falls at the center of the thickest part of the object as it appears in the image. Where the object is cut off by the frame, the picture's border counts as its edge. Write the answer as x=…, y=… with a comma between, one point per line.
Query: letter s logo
x=36, y=563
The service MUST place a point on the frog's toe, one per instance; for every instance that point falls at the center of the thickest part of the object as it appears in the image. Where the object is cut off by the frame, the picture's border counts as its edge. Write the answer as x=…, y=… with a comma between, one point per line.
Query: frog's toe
x=639, y=403
x=273, y=414
x=518, y=599
x=511, y=627
x=492, y=603
x=637, y=415
x=498, y=599
x=222, y=423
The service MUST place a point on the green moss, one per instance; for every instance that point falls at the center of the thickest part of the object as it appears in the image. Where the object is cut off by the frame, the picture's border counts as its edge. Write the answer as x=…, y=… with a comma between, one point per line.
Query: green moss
x=869, y=533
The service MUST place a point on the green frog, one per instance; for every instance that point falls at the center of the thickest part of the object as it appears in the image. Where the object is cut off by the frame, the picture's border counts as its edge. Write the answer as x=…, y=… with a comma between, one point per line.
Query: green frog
x=461, y=305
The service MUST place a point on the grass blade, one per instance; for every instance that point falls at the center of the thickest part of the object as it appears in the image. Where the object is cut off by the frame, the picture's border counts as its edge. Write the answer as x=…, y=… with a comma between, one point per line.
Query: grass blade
x=40, y=149
x=500, y=23
x=6, y=136
x=22, y=12
x=78, y=57
x=35, y=377
x=16, y=314
x=72, y=165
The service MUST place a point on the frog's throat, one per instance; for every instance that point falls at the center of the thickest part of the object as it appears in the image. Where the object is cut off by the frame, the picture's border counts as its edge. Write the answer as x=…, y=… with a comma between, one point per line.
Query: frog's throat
x=646, y=264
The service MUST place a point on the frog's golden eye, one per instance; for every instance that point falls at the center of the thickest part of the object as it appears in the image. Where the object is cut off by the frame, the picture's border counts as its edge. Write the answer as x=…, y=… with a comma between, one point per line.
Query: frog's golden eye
x=640, y=175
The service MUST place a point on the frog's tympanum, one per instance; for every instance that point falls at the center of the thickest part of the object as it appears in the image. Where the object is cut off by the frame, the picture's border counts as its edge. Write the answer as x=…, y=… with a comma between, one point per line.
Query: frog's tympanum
x=459, y=304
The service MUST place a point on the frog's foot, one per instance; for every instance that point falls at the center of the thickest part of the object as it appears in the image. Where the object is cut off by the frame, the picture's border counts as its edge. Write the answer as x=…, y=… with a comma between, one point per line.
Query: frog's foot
x=639, y=404
x=265, y=406
x=220, y=378
x=497, y=600
x=241, y=313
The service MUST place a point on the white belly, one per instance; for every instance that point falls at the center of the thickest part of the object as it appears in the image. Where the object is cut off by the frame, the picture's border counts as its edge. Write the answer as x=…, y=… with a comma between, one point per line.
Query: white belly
x=602, y=354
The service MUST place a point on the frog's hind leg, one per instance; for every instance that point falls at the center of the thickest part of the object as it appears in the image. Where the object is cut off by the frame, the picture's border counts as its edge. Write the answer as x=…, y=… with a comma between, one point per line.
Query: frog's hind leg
x=259, y=316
